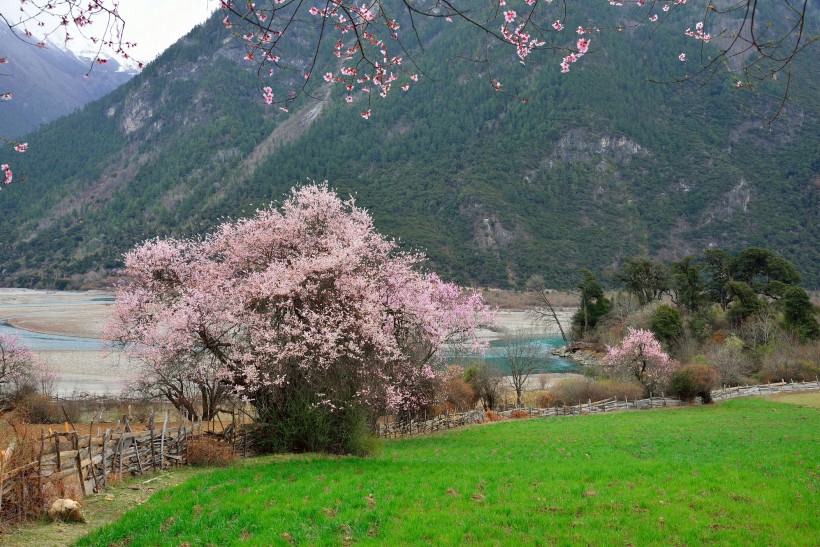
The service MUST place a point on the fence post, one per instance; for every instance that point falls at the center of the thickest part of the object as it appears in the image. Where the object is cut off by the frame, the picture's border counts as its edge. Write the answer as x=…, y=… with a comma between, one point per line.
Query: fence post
x=91, y=458
x=162, y=442
x=57, y=446
x=151, y=440
x=75, y=443
x=39, y=465
x=104, y=457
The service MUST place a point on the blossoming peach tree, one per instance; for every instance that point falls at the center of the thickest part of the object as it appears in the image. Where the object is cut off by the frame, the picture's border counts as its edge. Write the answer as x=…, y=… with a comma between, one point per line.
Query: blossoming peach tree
x=640, y=356
x=304, y=311
x=370, y=42
x=20, y=368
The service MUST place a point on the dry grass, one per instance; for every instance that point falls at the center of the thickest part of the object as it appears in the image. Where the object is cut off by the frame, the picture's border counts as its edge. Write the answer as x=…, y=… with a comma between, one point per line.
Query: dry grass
x=24, y=501
x=808, y=398
x=210, y=452
x=580, y=390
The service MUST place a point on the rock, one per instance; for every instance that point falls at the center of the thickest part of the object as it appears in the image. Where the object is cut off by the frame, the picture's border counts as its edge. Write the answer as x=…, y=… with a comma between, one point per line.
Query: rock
x=590, y=355
x=66, y=510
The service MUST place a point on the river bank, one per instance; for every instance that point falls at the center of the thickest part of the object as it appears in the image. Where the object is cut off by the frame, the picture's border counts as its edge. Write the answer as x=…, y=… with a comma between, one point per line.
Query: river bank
x=64, y=328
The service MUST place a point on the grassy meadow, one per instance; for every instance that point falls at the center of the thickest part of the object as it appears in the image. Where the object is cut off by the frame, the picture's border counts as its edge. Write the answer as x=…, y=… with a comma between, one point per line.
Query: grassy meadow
x=740, y=472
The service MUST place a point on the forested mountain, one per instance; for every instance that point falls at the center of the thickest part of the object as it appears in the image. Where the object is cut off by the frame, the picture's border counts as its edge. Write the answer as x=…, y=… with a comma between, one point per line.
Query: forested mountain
x=598, y=164
x=48, y=83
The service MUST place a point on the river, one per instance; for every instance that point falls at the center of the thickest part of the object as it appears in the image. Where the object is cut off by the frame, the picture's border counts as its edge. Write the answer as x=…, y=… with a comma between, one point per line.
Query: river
x=64, y=328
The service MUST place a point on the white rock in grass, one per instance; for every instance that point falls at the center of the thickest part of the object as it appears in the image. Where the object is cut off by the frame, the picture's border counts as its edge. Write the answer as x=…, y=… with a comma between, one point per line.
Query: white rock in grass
x=66, y=510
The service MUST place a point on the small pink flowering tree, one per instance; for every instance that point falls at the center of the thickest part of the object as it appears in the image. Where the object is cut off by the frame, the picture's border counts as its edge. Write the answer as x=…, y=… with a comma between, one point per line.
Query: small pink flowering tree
x=19, y=367
x=304, y=310
x=639, y=355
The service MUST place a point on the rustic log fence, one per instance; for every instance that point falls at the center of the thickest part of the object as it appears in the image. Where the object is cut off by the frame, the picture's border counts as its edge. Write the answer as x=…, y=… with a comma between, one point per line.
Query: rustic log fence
x=72, y=464
x=390, y=429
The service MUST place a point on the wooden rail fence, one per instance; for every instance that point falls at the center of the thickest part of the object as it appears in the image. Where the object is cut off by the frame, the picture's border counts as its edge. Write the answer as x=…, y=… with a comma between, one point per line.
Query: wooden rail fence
x=408, y=428
x=72, y=464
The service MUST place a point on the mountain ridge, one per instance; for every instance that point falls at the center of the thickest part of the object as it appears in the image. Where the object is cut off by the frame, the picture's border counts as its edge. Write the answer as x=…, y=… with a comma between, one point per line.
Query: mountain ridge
x=494, y=191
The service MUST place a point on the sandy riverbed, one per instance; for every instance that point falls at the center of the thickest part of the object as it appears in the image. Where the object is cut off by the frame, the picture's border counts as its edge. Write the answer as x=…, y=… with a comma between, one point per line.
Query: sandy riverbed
x=84, y=314
x=68, y=313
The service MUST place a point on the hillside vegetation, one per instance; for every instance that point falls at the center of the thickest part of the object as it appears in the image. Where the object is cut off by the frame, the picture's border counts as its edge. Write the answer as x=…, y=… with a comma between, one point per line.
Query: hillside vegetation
x=745, y=471
x=597, y=166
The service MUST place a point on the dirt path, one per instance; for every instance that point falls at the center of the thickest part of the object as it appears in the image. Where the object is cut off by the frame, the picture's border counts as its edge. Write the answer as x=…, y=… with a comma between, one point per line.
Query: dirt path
x=99, y=510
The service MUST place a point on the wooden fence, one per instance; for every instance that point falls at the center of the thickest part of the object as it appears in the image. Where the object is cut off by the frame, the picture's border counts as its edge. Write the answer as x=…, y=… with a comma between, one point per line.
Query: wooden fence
x=763, y=389
x=72, y=464
x=408, y=428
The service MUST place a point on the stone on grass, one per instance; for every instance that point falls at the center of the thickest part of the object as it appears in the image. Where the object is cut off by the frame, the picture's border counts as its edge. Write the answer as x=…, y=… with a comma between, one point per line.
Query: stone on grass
x=66, y=510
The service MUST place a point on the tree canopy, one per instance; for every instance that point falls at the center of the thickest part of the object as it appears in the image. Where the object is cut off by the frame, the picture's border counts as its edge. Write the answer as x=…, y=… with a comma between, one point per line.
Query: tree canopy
x=302, y=310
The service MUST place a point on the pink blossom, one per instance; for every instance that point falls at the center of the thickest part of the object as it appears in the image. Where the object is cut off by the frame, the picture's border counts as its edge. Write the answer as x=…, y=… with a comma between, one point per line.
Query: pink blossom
x=640, y=355
x=306, y=291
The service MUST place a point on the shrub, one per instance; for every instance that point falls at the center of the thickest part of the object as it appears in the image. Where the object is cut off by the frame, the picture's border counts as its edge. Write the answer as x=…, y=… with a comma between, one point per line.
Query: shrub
x=666, y=324
x=731, y=363
x=545, y=400
x=580, y=390
x=208, y=451
x=458, y=394
x=492, y=416
x=37, y=408
x=23, y=498
x=518, y=414
x=300, y=425
x=694, y=380
x=789, y=360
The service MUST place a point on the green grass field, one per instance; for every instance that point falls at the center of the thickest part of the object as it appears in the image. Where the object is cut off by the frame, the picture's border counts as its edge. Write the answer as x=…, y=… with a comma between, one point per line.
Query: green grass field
x=741, y=472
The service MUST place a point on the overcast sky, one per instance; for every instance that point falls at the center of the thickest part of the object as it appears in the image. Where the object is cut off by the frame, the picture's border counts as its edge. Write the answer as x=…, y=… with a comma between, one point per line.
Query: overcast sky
x=153, y=25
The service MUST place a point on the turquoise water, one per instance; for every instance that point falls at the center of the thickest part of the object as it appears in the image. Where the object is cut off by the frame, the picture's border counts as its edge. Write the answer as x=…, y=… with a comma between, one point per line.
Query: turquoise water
x=50, y=342
x=547, y=363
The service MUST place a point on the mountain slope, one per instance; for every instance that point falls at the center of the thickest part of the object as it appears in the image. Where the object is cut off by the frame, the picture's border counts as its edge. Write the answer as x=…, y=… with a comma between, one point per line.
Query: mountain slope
x=597, y=166
x=49, y=83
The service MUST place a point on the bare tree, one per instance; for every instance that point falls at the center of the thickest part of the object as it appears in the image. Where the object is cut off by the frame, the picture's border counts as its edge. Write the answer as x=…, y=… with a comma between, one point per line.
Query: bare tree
x=546, y=315
x=732, y=364
x=522, y=353
x=192, y=386
x=485, y=380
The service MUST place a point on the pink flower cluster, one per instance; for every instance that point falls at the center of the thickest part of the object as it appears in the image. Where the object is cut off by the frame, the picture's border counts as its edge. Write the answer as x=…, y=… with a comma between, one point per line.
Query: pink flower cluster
x=16, y=360
x=366, y=37
x=8, y=176
x=640, y=355
x=698, y=33
x=307, y=292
